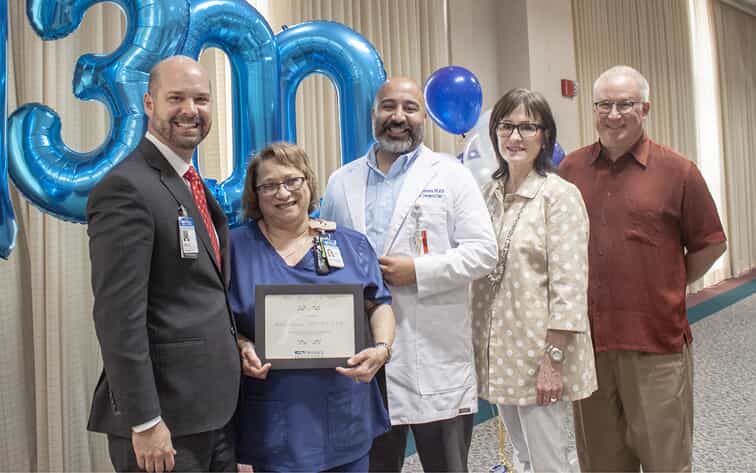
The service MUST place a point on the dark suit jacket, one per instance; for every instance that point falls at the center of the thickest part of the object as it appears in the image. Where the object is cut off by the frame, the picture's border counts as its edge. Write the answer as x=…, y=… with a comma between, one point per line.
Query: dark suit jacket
x=165, y=329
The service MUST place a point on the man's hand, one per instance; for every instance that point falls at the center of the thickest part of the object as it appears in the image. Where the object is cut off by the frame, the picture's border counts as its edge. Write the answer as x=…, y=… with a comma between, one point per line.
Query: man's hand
x=398, y=270
x=364, y=365
x=154, y=449
x=251, y=364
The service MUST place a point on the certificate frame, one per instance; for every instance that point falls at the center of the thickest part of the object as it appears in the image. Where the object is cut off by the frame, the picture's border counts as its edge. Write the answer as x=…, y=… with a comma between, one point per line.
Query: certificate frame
x=264, y=318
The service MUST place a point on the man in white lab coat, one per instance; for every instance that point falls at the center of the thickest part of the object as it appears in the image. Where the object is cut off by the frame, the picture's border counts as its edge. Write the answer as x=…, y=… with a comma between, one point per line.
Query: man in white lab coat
x=425, y=216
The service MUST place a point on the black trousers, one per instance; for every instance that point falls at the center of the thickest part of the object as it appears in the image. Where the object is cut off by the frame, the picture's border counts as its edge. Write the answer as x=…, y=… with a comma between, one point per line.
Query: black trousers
x=441, y=445
x=206, y=451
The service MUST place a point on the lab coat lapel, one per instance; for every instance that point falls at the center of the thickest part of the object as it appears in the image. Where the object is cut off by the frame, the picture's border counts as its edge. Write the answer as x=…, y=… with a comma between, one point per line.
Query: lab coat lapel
x=356, y=187
x=422, y=171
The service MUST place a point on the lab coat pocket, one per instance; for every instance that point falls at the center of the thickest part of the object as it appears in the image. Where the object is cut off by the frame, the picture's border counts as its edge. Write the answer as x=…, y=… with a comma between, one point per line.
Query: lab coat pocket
x=346, y=419
x=433, y=221
x=444, y=348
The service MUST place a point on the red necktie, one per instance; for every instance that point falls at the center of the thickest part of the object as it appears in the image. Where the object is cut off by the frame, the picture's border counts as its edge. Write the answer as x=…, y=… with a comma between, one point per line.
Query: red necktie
x=198, y=192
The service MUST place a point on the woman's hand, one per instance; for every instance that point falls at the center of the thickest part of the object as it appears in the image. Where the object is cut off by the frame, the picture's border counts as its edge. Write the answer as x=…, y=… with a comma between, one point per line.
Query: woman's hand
x=548, y=382
x=251, y=365
x=364, y=365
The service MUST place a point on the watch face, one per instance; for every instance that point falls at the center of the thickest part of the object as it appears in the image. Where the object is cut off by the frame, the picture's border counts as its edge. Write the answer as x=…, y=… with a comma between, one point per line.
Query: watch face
x=556, y=354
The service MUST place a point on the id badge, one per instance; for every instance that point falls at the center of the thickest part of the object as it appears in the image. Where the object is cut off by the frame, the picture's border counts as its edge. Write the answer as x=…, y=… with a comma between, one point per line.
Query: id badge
x=333, y=253
x=187, y=238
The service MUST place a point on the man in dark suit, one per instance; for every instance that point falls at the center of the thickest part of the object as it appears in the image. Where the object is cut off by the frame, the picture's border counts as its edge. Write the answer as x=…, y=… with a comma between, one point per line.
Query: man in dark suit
x=158, y=243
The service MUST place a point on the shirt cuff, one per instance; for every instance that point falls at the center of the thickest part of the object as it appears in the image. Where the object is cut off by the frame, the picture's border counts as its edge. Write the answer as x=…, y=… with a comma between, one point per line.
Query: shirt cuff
x=147, y=425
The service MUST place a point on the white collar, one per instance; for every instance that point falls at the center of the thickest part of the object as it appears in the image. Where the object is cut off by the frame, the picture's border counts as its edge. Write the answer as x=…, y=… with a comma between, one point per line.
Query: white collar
x=176, y=161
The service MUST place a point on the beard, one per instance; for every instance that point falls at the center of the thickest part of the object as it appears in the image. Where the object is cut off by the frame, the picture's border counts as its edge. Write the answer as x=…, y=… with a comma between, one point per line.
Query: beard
x=165, y=128
x=398, y=146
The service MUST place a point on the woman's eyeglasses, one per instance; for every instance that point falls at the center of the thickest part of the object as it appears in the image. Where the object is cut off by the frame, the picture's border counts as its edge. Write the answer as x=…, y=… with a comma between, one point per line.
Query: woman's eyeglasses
x=290, y=184
x=526, y=130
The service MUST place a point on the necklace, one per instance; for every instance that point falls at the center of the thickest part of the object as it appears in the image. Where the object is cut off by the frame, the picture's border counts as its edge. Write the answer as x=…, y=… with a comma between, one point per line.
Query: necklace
x=293, y=247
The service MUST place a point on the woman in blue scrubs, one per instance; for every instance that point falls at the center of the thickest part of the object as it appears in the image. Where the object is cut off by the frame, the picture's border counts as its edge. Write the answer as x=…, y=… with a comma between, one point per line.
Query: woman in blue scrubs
x=316, y=419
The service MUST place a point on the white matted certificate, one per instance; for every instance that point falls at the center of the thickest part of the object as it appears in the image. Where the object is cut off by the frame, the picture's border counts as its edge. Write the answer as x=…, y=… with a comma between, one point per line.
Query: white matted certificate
x=301, y=326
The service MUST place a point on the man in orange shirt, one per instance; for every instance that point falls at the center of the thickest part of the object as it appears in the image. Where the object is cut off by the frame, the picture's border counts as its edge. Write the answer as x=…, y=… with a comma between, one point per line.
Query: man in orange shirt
x=654, y=228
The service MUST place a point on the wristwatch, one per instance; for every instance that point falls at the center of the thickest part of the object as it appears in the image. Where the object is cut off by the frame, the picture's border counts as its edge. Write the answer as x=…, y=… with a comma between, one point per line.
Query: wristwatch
x=555, y=353
x=388, y=350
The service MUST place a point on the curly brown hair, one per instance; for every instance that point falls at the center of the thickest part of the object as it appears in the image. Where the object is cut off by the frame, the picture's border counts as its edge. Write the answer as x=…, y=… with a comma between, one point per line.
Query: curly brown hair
x=287, y=154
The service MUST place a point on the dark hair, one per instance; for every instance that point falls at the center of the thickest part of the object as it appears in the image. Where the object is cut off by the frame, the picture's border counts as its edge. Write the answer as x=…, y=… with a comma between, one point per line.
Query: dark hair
x=287, y=154
x=537, y=107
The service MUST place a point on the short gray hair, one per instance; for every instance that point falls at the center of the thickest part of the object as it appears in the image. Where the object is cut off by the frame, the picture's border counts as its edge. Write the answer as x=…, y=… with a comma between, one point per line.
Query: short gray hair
x=624, y=71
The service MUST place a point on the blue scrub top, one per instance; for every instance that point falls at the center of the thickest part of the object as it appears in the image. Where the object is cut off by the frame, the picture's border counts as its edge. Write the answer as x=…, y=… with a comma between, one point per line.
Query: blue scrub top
x=303, y=420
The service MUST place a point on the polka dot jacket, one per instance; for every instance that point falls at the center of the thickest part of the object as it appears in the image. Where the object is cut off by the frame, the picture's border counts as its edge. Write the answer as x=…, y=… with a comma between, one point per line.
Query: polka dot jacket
x=544, y=286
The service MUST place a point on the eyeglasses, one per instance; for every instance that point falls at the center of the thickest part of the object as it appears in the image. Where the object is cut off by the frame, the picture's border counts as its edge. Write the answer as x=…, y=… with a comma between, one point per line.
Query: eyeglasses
x=604, y=107
x=526, y=130
x=290, y=184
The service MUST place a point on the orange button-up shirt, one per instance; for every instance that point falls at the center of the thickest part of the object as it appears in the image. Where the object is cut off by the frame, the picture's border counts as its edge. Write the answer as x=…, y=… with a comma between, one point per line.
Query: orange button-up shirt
x=646, y=210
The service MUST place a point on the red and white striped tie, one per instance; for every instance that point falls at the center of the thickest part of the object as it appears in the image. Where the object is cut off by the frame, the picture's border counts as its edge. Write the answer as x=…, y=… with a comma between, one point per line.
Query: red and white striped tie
x=198, y=192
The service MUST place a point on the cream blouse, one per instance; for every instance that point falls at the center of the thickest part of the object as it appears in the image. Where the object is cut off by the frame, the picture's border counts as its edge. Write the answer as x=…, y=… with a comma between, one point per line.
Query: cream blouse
x=544, y=286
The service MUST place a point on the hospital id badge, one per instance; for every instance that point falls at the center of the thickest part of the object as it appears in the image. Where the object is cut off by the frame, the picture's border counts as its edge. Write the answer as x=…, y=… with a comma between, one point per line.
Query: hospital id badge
x=187, y=238
x=333, y=253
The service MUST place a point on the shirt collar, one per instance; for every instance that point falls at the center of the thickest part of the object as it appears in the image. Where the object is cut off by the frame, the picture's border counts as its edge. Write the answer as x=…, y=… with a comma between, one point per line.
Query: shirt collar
x=529, y=187
x=405, y=160
x=176, y=161
x=639, y=151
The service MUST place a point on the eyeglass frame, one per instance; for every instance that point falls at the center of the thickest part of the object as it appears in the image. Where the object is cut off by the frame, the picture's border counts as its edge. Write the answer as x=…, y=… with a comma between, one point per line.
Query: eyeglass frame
x=499, y=130
x=614, y=105
x=289, y=184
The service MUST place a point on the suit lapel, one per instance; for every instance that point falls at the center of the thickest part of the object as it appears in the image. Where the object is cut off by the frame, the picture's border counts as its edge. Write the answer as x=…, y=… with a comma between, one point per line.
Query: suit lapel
x=357, y=181
x=180, y=191
x=419, y=174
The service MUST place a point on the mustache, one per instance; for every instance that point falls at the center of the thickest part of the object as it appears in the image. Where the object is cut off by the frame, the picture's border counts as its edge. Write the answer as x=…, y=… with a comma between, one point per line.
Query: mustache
x=394, y=123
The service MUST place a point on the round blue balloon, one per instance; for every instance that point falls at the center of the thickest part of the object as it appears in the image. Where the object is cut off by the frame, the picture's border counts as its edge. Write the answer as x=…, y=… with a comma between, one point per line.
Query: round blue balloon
x=349, y=61
x=453, y=98
x=51, y=175
x=243, y=34
x=558, y=155
x=8, y=227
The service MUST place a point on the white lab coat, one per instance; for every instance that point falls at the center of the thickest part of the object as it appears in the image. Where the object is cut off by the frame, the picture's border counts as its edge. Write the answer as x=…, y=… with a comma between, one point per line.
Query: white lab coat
x=432, y=374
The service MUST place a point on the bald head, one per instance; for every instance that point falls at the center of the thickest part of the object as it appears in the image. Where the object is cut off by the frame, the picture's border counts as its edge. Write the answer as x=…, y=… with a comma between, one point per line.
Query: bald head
x=399, y=84
x=175, y=65
x=178, y=104
x=623, y=72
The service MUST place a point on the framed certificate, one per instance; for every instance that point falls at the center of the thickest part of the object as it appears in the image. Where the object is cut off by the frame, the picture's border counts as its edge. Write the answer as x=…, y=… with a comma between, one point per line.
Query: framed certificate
x=304, y=326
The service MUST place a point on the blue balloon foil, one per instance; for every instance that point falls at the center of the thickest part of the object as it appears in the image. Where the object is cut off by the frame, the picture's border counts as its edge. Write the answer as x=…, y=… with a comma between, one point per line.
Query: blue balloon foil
x=8, y=227
x=349, y=61
x=242, y=33
x=266, y=72
x=51, y=175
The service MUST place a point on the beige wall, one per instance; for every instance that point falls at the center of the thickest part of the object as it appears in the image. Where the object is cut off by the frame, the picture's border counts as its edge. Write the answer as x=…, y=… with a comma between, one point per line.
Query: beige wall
x=518, y=43
x=552, y=58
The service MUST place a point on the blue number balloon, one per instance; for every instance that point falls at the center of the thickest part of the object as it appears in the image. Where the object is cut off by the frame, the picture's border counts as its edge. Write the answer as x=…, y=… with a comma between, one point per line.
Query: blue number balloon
x=244, y=35
x=49, y=173
x=267, y=71
x=453, y=98
x=348, y=60
x=7, y=219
